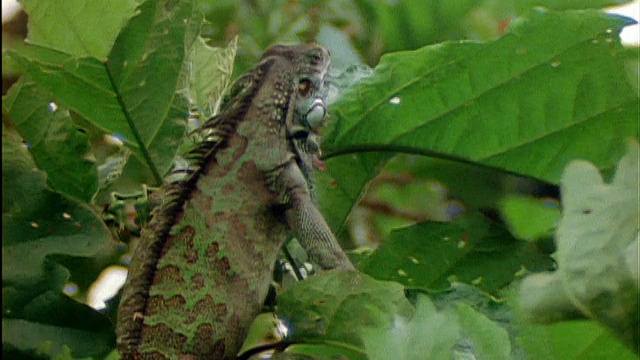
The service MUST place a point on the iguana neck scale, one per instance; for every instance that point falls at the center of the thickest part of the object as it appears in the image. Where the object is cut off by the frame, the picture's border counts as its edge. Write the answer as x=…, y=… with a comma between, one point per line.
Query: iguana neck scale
x=203, y=264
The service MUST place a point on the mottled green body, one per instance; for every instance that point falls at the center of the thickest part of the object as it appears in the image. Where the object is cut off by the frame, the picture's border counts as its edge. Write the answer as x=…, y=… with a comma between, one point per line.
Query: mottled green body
x=204, y=263
x=226, y=251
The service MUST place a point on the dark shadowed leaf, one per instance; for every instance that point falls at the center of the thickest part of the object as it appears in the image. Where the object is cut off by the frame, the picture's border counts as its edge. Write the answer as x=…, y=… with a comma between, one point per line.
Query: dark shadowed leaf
x=52, y=321
x=472, y=250
x=38, y=224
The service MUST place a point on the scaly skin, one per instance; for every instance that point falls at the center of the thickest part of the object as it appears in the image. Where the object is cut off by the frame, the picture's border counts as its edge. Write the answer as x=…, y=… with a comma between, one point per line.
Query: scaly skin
x=203, y=265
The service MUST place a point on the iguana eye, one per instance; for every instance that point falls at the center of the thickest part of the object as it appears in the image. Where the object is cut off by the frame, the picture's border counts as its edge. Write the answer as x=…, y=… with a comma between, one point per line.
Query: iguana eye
x=304, y=87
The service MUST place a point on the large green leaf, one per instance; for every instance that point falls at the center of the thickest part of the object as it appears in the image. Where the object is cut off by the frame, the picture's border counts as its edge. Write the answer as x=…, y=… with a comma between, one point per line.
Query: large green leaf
x=145, y=66
x=495, y=103
x=38, y=222
x=527, y=103
x=69, y=26
x=470, y=250
x=79, y=84
x=38, y=225
x=132, y=95
x=58, y=147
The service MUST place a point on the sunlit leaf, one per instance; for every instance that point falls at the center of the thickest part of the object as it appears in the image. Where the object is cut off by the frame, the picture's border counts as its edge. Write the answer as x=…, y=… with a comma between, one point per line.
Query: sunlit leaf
x=69, y=26
x=530, y=219
x=527, y=103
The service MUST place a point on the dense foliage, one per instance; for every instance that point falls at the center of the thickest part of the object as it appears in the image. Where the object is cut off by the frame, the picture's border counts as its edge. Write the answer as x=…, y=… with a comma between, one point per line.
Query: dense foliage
x=444, y=164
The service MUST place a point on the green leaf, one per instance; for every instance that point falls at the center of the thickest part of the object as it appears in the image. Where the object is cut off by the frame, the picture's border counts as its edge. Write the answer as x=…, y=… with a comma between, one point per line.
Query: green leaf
x=69, y=26
x=475, y=101
x=144, y=66
x=57, y=145
x=584, y=340
x=598, y=244
x=570, y=4
x=344, y=183
x=484, y=338
x=78, y=84
x=209, y=73
x=321, y=351
x=471, y=250
x=38, y=225
x=429, y=334
x=528, y=103
x=39, y=222
x=52, y=321
x=333, y=307
x=133, y=95
x=528, y=218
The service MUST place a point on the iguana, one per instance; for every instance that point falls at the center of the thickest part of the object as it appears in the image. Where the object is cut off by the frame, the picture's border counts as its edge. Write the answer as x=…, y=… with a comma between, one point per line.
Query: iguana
x=203, y=265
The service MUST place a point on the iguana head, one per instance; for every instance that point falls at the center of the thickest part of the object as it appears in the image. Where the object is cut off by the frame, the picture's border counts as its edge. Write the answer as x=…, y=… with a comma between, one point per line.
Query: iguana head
x=311, y=64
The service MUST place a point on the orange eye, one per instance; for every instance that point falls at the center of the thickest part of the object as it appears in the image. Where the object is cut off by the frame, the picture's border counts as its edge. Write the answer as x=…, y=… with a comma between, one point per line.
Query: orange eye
x=304, y=87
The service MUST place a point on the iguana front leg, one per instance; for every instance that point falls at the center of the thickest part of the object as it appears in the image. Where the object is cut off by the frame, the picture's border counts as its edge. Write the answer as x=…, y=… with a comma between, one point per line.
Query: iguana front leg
x=307, y=222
